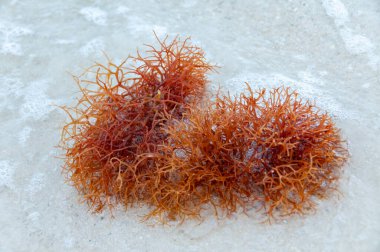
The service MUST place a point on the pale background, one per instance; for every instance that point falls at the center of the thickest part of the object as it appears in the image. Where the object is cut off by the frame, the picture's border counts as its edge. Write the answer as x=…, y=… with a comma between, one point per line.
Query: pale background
x=328, y=49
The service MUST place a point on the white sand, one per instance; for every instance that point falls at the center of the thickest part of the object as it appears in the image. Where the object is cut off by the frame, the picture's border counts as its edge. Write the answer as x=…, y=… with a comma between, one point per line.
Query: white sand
x=328, y=49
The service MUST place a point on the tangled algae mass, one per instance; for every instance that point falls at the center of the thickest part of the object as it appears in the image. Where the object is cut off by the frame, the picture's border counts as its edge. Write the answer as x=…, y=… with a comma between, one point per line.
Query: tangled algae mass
x=142, y=133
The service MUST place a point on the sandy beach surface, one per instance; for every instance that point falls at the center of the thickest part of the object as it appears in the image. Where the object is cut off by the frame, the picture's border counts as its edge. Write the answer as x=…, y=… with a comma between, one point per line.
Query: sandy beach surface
x=329, y=50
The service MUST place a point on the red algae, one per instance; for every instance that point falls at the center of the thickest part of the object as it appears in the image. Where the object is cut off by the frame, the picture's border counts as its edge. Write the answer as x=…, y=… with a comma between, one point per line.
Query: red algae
x=297, y=151
x=114, y=131
x=141, y=133
x=264, y=148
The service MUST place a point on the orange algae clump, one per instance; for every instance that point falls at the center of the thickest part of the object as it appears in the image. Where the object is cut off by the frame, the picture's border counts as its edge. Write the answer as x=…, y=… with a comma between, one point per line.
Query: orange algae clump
x=115, y=129
x=297, y=151
x=141, y=133
x=266, y=148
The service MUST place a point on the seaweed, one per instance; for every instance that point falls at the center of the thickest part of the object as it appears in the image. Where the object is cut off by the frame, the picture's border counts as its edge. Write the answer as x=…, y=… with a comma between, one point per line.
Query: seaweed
x=266, y=149
x=142, y=133
x=297, y=151
x=115, y=128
